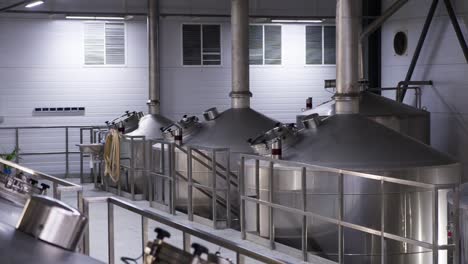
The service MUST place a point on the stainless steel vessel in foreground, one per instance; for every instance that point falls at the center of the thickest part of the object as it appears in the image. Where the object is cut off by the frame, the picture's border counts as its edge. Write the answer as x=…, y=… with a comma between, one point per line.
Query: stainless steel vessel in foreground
x=400, y=117
x=52, y=221
x=353, y=142
x=19, y=248
x=10, y=212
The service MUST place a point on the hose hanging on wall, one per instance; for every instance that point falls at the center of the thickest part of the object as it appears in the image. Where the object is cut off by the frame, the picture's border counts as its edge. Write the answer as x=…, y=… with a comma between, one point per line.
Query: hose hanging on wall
x=112, y=155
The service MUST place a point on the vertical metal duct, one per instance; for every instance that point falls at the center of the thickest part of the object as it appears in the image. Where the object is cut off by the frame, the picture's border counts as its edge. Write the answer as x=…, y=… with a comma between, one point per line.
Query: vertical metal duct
x=153, y=52
x=347, y=65
x=240, y=94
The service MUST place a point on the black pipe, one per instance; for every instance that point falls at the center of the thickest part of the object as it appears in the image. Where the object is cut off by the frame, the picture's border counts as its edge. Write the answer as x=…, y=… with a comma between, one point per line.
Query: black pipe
x=417, y=52
x=456, y=26
x=3, y=9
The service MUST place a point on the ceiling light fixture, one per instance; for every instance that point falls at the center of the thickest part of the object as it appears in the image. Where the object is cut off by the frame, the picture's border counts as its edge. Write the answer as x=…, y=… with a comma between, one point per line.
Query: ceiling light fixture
x=34, y=4
x=95, y=17
x=296, y=21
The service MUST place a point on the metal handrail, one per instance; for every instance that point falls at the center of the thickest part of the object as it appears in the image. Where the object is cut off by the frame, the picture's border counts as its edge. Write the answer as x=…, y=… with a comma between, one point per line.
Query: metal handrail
x=214, y=189
x=434, y=246
x=66, y=151
x=172, y=175
x=186, y=230
x=417, y=93
x=58, y=185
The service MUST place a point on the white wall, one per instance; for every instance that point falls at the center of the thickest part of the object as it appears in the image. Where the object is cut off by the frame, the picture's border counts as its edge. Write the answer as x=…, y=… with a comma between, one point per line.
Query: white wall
x=443, y=62
x=278, y=91
x=41, y=65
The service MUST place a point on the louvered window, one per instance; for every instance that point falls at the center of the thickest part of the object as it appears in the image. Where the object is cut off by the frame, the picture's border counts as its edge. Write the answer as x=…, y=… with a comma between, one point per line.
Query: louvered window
x=329, y=45
x=201, y=44
x=265, y=45
x=104, y=43
x=320, y=45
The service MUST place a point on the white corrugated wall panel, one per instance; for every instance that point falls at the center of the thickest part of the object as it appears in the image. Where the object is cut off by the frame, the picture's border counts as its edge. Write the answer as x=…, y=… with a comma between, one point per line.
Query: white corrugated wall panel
x=443, y=62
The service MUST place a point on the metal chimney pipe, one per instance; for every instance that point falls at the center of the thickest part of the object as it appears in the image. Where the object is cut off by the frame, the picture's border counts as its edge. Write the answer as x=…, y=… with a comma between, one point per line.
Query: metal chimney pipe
x=240, y=95
x=153, y=52
x=347, y=54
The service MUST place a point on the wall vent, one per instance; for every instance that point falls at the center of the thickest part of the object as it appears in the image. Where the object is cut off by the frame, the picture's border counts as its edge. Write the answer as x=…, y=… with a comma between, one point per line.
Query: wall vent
x=104, y=43
x=66, y=110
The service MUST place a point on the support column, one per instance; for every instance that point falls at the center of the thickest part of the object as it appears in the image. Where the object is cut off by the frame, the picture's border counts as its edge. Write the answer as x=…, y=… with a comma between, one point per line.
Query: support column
x=240, y=94
x=153, y=52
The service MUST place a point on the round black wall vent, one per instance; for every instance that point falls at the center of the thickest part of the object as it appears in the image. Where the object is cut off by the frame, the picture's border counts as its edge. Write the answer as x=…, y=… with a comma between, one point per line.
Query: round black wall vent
x=400, y=43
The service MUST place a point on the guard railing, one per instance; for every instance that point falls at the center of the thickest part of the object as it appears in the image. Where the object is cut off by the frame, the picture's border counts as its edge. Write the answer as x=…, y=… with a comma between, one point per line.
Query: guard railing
x=59, y=186
x=188, y=231
x=66, y=151
x=339, y=221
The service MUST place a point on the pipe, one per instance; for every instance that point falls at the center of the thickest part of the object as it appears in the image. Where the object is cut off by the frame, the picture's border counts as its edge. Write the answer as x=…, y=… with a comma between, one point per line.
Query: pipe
x=153, y=52
x=371, y=28
x=456, y=27
x=14, y=5
x=376, y=24
x=347, y=66
x=240, y=95
x=417, y=52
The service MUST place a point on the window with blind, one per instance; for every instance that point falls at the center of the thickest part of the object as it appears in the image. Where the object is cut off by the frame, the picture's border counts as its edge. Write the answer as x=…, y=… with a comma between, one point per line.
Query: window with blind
x=265, y=45
x=320, y=45
x=201, y=44
x=104, y=43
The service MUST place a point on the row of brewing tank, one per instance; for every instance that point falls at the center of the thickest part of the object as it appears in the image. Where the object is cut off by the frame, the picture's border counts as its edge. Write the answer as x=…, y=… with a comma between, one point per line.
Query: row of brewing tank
x=386, y=138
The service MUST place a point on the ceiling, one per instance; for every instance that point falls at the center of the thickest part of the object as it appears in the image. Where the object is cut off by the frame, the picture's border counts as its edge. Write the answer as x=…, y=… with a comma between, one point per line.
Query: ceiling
x=77, y=6
x=277, y=8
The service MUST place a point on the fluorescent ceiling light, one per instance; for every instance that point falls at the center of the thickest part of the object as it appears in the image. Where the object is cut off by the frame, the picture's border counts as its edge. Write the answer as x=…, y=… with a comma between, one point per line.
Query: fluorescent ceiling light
x=109, y=18
x=34, y=3
x=94, y=18
x=296, y=21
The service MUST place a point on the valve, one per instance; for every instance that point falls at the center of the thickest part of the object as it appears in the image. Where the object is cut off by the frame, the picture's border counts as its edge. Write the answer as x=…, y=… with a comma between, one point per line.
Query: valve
x=45, y=187
x=33, y=182
x=199, y=250
x=161, y=234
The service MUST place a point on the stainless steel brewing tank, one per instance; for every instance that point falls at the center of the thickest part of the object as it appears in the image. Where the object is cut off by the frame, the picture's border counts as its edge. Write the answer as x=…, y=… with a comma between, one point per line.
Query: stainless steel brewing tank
x=52, y=221
x=356, y=143
x=149, y=127
x=403, y=118
x=463, y=220
x=229, y=129
x=10, y=212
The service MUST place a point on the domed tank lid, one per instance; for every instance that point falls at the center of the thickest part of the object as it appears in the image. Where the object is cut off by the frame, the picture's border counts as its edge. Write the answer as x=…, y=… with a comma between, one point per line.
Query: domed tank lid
x=150, y=126
x=370, y=104
x=231, y=129
x=355, y=142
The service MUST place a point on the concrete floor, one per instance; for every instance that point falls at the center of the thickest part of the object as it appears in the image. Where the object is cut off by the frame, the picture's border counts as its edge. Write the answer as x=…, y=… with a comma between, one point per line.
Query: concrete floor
x=128, y=232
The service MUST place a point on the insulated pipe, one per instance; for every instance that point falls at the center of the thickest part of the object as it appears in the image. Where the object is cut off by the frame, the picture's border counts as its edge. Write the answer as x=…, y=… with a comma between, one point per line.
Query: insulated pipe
x=153, y=52
x=376, y=24
x=240, y=95
x=347, y=54
x=14, y=5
